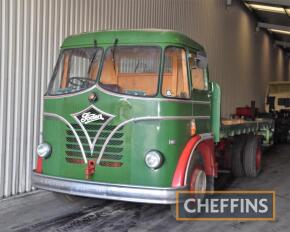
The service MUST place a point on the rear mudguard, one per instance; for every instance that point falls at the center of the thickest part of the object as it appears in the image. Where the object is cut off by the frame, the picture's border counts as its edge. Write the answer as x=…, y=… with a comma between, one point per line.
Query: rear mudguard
x=204, y=144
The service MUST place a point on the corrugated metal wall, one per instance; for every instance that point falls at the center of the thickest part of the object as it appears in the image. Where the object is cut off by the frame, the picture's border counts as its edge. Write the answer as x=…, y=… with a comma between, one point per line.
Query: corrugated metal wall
x=240, y=59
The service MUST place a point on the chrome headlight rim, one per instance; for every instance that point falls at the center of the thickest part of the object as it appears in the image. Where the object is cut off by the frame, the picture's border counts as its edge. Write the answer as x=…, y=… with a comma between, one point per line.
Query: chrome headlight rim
x=155, y=154
x=44, y=150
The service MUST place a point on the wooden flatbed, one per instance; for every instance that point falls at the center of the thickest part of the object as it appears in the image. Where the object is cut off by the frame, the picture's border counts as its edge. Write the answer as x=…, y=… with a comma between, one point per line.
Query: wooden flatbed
x=233, y=127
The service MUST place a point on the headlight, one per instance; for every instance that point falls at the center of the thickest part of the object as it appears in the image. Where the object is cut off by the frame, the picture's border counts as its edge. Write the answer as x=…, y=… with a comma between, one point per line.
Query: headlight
x=43, y=150
x=153, y=159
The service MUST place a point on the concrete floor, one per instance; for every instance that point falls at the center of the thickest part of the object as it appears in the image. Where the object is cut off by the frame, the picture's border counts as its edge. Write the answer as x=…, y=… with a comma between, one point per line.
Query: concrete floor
x=42, y=211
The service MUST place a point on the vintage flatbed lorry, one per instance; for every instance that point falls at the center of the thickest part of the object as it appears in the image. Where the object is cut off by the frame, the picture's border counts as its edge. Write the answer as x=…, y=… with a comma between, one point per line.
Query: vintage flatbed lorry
x=131, y=115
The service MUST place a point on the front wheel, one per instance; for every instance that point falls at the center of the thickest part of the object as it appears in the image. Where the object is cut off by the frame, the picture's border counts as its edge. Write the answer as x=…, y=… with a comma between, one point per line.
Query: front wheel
x=196, y=179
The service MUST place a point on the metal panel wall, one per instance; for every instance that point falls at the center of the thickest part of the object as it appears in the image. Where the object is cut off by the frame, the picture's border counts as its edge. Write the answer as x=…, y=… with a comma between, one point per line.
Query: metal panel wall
x=31, y=31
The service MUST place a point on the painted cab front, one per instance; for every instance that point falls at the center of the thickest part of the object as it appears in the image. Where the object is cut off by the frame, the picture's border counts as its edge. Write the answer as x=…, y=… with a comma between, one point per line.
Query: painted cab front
x=119, y=111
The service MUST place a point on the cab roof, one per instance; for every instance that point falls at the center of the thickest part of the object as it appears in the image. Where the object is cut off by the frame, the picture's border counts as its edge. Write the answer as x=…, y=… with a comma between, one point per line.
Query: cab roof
x=130, y=37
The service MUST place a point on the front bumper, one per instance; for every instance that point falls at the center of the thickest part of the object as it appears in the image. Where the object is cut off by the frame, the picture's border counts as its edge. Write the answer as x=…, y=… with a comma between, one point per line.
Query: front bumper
x=118, y=192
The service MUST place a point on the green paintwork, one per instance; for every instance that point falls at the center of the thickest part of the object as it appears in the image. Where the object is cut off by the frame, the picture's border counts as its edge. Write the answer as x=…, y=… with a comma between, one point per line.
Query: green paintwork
x=216, y=110
x=138, y=137
x=267, y=135
x=133, y=37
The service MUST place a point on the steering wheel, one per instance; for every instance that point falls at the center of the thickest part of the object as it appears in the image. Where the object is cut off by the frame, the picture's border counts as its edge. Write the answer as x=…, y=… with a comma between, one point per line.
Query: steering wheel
x=81, y=81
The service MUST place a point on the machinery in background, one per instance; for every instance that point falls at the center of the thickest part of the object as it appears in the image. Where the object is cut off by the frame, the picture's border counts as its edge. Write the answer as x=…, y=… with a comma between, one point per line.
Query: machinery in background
x=277, y=106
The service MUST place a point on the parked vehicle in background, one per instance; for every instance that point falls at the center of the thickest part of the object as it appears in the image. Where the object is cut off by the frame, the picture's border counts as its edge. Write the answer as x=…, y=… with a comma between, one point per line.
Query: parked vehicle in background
x=277, y=106
x=131, y=115
x=278, y=96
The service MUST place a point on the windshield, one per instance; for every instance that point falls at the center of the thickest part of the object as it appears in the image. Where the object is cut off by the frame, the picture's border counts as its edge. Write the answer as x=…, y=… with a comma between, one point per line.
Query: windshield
x=76, y=70
x=131, y=70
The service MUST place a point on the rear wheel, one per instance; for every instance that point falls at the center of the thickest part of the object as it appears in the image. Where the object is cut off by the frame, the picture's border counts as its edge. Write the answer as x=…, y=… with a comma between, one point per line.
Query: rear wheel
x=237, y=156
x=252, y=157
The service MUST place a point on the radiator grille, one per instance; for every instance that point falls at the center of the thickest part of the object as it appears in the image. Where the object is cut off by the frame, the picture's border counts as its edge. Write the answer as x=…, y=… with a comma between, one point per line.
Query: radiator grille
x=113, y=153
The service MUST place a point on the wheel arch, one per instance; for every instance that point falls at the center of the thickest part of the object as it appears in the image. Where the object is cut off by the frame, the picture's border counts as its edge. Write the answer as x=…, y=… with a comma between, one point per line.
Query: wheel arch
x=202, y=143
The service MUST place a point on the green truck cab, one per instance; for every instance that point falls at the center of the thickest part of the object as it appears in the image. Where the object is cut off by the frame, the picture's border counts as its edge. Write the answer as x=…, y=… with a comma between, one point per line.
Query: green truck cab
x=131, y=115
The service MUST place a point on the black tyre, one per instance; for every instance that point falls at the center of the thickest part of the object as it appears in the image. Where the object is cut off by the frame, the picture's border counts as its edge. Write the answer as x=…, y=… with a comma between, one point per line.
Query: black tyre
x=252, y=157
x=237, y=156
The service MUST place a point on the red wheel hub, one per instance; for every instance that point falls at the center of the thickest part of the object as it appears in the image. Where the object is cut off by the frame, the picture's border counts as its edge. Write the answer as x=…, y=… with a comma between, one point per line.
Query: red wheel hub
x=198, y=179
x=258, y=158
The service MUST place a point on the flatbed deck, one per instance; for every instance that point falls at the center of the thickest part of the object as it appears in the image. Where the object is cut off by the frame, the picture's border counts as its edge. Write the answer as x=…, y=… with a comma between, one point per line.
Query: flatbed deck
x=237, y=127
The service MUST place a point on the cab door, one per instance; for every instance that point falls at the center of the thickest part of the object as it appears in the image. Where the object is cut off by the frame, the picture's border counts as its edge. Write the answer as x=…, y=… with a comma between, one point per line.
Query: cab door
x=200, y=92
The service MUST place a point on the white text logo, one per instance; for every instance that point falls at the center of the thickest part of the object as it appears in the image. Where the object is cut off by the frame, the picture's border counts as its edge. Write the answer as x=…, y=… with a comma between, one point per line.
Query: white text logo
x=89, y=117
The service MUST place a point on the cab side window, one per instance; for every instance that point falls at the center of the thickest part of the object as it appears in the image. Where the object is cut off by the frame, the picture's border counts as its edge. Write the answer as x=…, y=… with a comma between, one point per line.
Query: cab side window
x=198, y=72
x=175, y=80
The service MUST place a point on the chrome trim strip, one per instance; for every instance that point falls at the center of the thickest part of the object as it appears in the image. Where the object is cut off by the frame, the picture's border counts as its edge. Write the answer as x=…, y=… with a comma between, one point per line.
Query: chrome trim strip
x=150, y=98
x=85, y=131
x=147, y=118
x=127, y=96
x=98, y=134
x=133, y=193
x=92, y=144
x=73, y=130
x=204, y=137
x=69, y=95
x=201, y=102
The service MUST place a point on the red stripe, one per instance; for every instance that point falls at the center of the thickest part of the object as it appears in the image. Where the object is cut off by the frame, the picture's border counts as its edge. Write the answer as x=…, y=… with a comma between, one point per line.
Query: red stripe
x=178, y=178
x=206, y=149
x=39, y=165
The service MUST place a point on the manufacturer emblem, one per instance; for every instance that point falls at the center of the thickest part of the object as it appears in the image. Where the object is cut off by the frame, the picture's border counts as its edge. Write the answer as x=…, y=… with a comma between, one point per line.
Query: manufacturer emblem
x=90, y=117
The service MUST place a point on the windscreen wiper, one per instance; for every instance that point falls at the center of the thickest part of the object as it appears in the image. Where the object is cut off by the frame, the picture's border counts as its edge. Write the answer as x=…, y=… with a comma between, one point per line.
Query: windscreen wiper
x=92, y=61
x=113, y=53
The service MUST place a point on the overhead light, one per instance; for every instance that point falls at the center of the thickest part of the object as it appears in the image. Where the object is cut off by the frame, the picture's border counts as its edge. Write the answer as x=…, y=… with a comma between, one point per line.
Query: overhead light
x=280, y=31
x=267, y=8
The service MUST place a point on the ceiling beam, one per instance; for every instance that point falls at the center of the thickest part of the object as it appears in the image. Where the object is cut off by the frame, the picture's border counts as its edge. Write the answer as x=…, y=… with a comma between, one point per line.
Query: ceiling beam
x=273, y=26
x=282, y=43
x=285, y=3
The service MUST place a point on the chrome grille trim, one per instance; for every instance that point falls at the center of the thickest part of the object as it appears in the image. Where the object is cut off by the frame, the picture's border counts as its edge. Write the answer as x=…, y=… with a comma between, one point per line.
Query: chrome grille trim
x=147, y=118
x=113, y=152
x=72, y=129
x=97, y=87
x=98, y=134
x=92, y=144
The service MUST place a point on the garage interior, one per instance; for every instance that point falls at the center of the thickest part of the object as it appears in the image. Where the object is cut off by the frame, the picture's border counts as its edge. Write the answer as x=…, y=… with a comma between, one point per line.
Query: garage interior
x=247, y=44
